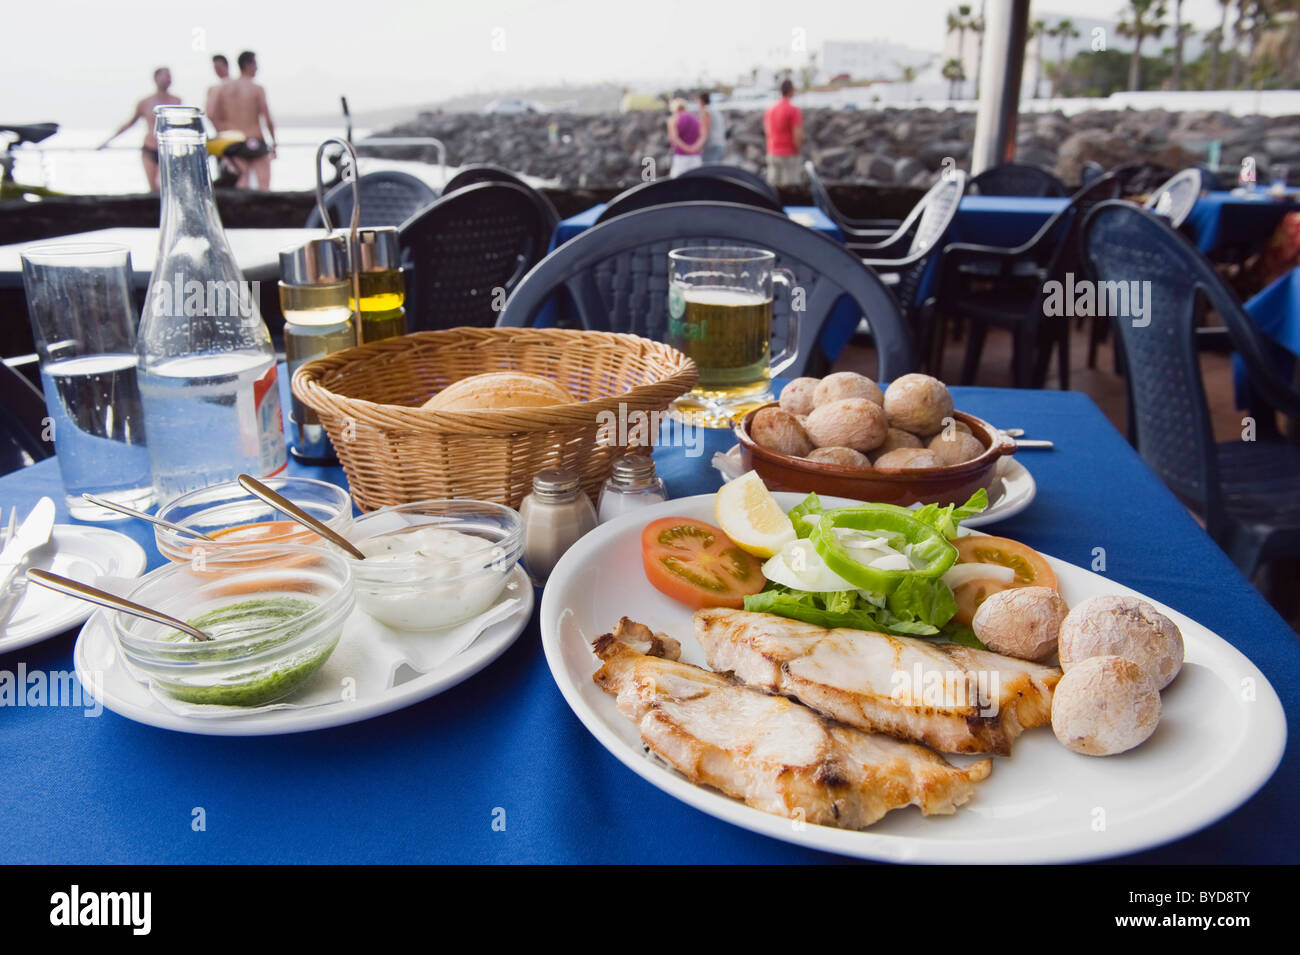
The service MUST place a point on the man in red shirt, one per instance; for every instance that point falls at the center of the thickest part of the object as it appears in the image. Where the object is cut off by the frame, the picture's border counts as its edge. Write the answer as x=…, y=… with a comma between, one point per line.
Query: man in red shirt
x=783, y=124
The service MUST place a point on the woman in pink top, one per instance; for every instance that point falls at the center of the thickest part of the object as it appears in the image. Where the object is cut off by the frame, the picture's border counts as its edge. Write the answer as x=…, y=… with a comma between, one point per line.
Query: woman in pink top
x=686, y=137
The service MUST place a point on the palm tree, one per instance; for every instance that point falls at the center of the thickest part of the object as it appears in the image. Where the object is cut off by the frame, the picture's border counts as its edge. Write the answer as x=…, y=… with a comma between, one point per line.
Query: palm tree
x=906, y=76
x=1144, y=18
x=959, y=21
x=1176, y=81
x=1064, y=31
x=1036, y=31
x=1213, y=40
x=955, y=74
x=977, y=27
x=1216, y=50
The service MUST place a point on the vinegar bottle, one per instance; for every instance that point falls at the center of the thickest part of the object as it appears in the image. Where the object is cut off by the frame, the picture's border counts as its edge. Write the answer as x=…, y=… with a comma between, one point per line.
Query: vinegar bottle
x=207, y=366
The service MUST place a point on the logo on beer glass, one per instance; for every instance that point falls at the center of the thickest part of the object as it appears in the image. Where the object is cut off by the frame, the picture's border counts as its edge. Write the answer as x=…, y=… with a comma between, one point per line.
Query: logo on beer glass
x=720, y=315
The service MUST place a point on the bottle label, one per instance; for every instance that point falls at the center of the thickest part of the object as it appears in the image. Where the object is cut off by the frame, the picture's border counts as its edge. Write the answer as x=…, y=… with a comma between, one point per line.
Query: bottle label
x=268, y=424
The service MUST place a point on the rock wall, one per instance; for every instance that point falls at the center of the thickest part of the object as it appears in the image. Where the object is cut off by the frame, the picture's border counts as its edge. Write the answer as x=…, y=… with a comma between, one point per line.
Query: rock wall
x=884, y=147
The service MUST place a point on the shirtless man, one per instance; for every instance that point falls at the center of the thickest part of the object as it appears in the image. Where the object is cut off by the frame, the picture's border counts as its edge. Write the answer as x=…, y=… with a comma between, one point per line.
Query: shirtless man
x=162, y=81
x=220, y=66
x=241, y=103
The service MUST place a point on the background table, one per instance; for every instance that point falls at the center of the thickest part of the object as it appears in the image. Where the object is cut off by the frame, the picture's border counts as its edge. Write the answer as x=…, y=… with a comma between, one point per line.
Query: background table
x=423, y=784
x=257, y=251
x=1276, y=312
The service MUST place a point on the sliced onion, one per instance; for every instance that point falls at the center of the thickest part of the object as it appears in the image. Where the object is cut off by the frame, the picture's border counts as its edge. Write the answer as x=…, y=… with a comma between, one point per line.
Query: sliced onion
x=959, y=574
x=799, y=567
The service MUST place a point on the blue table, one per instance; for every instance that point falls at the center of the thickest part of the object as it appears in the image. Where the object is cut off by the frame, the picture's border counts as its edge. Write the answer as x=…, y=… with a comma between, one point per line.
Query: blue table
x=1276, y=312
x=422, y=785
x=836, y=333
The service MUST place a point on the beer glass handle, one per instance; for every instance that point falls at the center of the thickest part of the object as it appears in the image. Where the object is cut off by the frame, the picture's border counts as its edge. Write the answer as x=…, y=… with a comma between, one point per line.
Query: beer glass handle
x=791, y=351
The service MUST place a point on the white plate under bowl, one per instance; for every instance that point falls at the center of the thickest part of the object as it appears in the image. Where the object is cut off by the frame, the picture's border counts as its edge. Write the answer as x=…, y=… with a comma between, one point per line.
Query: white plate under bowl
x=96, y=653
x=82, y=553
x=1012, y=490
x=1220, y=737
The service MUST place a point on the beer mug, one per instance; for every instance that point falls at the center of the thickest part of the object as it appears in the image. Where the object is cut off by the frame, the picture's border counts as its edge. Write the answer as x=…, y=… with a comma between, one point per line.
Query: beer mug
x=720, y=314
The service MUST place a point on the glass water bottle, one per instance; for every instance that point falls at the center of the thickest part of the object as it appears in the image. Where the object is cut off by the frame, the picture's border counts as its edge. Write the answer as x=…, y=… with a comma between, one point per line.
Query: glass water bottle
x=314, y=294
x=207, y=366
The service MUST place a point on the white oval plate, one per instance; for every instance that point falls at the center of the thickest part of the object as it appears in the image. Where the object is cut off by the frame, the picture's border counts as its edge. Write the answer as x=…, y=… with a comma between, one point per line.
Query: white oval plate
x=84, y=554
x=96, y=653
x=1212, y=750
x=1013, y=488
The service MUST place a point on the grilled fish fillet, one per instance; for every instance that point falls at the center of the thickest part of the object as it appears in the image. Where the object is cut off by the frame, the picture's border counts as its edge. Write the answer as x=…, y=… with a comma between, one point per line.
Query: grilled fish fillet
x=768, y=751
x=953, y=698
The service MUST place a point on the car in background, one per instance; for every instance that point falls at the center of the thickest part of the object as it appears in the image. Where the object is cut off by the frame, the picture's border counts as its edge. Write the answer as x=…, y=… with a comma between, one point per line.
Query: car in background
x=509, y=107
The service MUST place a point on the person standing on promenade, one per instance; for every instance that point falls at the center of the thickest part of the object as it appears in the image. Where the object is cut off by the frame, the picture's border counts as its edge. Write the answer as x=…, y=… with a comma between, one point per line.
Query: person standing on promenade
x=686, y=137
x=220, y=66
x=783, y=124
x=714, y=131
x=162, y=81
x=241, y=104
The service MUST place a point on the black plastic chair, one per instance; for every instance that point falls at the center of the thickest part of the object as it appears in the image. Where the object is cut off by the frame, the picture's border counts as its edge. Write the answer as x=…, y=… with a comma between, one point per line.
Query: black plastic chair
x=1248, y=492
x=1005, y=287
x=1177, y=197
x=662, y=192
x=864, y=230
x=388, y=198
x=902, y=260
x=1017, y=179
x=476, y=173
x=617, y=276
x=467, y=251
x=1090, y=172
x=22, y=422
x=737, y=173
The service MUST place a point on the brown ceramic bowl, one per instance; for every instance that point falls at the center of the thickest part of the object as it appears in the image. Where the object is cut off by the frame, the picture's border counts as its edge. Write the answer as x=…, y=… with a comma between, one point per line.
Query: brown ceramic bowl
x=946, y=485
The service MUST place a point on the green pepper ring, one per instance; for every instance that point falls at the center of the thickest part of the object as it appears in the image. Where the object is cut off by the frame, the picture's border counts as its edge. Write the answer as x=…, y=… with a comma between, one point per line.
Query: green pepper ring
x=928, y=543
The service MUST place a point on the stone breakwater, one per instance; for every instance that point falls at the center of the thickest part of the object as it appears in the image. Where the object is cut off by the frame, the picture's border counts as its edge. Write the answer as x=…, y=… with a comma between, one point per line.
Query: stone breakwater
x=885, y=147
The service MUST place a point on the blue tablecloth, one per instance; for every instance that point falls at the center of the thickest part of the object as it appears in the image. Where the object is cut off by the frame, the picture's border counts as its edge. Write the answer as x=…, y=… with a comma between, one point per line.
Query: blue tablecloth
x=840, y=326
x=423, y=784
x=1276, y=311
x=1224, y=221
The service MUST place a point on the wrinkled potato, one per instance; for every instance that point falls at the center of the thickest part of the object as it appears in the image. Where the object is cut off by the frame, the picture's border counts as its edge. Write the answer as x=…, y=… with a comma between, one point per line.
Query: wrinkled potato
x=907, y=458
x=955, y=448
x=918, y=403
x=894, y=438
x=844, y=457
x=856, y=423
x=1104, y=705
x=779, y=431
x=1021, y=622
x=797, y=397
x=1111, y=624
x=847, y=384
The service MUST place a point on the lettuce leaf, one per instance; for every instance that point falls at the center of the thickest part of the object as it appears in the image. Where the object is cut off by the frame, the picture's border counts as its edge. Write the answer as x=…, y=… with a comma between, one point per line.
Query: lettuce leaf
x=946, y=519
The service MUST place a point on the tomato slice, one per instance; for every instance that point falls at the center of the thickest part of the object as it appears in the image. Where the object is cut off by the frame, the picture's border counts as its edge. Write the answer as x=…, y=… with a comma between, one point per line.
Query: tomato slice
x=697, y=564
x=1031, y=570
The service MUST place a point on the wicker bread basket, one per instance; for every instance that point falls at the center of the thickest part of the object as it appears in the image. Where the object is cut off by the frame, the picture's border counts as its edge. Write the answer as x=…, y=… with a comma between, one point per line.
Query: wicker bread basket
x=394, y=452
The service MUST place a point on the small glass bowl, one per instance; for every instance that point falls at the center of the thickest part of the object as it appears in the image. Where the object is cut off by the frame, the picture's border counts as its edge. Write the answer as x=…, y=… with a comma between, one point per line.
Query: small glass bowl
x=218, y=509
x=264, y=652
x=410, y=591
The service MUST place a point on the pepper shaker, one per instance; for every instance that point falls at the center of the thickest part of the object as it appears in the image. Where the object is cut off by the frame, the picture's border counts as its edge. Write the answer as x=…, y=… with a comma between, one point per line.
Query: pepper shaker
x=555, y=514
x=632, y=484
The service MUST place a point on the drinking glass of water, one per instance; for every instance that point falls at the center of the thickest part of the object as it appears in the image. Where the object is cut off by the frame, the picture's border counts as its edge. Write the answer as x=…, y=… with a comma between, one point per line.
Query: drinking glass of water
x=83, y=319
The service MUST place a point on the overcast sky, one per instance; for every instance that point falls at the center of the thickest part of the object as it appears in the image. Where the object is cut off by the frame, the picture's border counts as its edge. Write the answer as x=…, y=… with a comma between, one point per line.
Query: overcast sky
x=86, y=62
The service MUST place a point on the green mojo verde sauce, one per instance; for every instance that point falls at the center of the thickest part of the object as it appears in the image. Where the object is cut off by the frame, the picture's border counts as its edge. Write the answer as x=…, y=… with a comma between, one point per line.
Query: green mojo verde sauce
x=242, y=619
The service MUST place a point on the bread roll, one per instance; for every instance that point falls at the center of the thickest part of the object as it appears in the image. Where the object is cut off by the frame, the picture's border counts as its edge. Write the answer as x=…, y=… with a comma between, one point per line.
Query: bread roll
x=499, y=389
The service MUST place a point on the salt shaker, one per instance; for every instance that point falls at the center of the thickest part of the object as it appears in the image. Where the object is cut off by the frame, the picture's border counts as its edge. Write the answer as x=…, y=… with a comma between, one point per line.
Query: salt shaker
x=632, y=484
x=555, y=515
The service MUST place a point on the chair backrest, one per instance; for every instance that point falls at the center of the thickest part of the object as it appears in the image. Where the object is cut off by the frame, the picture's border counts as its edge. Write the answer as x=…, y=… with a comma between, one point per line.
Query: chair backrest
x=1175, y=199
x=1017, y=179
x=662, y=192
x=476, y=173
x=467, y=251
x=616, y=274
x=1090, y=172
x=1068, y=254
x=822, y=199
x=739, y=174
x=22, y=422
x=927, y=224
x=1170, y=418
x=388, y=197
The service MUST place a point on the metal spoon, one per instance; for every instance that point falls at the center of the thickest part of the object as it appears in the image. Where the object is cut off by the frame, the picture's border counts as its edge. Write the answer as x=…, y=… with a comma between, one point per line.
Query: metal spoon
x=132, y=512
x=263, y=493
x=94, y=595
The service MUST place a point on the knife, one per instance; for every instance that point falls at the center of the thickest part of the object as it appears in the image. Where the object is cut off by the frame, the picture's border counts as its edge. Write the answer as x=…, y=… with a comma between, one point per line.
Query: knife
x=34, y=532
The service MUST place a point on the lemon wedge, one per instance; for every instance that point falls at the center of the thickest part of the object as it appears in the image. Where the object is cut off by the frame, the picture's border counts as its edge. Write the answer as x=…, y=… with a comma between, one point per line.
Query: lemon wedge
x=749, y=515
